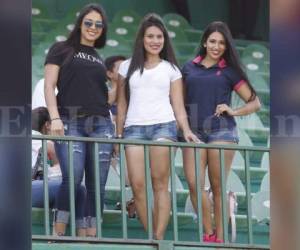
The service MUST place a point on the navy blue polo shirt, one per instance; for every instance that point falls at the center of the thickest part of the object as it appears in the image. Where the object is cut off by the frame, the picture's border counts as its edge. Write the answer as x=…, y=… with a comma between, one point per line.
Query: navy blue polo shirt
x=205, y=89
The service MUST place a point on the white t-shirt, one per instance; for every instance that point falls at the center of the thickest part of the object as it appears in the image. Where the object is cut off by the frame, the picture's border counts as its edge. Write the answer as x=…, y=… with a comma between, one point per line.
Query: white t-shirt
x=38, y=96
x=53, y=173
x=35, y=145
x=150, y=94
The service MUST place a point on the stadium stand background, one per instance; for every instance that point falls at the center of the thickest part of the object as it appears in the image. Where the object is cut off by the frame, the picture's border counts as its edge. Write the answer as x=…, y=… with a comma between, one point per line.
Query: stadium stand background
x=51, y=20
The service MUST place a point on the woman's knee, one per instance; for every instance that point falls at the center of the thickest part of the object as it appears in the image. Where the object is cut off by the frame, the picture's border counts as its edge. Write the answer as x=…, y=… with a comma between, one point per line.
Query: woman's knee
x=138, y=186
x=216, y=190
x=160, y=185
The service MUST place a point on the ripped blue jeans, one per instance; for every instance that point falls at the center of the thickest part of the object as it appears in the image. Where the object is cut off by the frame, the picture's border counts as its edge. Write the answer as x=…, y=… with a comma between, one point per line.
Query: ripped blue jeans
x=83, y=162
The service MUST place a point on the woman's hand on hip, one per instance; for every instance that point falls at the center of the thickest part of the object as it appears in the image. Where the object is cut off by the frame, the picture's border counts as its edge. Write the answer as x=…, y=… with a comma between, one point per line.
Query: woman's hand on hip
x=221, y=108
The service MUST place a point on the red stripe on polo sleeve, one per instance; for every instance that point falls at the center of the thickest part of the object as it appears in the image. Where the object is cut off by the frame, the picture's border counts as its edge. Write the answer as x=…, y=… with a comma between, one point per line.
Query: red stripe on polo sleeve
x=239, y=84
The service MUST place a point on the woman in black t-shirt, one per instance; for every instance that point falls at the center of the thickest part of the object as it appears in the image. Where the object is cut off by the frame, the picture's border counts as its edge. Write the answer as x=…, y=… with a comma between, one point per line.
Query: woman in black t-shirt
x=80, y=109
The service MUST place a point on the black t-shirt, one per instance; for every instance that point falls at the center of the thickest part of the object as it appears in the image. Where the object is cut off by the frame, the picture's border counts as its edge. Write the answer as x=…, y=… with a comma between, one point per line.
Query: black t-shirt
x=81, y=81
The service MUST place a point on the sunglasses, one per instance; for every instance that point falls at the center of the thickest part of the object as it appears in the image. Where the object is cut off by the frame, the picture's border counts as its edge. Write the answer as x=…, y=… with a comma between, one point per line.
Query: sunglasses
x=89, y=24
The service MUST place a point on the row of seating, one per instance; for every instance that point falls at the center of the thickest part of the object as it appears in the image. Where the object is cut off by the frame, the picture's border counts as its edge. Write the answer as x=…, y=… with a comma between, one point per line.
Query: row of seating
x=49, y=26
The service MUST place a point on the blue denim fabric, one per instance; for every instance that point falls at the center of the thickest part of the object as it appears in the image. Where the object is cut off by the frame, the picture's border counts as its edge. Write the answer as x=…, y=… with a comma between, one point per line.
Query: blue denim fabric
x=208, y=136
x=83, y=159
x=37, y=191
x=166, y=130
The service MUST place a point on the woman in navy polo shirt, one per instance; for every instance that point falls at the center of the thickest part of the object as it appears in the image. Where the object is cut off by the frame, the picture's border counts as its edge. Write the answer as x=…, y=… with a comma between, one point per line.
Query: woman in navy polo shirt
x=209, y=81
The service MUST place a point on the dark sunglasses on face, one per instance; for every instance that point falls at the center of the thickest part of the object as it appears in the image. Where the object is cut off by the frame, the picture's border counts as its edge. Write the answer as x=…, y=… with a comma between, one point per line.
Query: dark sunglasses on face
x=89, y=24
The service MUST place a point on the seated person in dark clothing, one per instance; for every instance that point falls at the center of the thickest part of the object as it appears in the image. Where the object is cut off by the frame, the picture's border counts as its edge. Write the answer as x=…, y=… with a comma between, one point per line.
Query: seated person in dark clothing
x=112, y=64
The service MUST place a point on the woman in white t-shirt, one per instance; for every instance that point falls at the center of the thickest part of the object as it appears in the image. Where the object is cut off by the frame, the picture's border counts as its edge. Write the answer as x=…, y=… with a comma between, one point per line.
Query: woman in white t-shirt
x=149, y=104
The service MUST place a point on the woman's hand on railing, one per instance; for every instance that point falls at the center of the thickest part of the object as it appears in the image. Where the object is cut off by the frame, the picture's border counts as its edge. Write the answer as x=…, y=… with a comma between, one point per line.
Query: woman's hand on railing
x=57, y=128
x=189, y=136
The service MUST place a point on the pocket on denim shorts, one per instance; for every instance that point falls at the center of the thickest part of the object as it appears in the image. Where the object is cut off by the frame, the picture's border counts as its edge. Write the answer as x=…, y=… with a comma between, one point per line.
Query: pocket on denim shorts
x=165, y=130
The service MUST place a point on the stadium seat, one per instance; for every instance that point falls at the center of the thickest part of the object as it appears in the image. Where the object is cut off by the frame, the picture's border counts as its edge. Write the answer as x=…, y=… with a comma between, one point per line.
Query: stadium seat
x=265, y=183
x=176, y=21
x=185, y=49
x=250, y=122
x=193, y=35
x=264, y=115
x=244, y=138
x=238, y=160
x=265, y=162
x=255, y=66
x=178, y=158
x=257, y=52
x=177, y=35
x=261, y=206
x=126, y=18
x=127, y=33
x=116, y=45
x=259, y=83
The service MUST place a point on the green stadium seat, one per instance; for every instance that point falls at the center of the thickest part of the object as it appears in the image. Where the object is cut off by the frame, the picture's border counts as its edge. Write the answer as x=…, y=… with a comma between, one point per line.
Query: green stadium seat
x=261, y=206
x=177, y=35
x=113, y=178
x=265, y=183
x=183, y=59
x=238, y=160
x=127, y=33
x=116, y=45
x=255, y=66
x=39, y=10
x=126, y=18
x=176, y=21
x=250, y=122
x=178, y=158
x=193, y=35
x=185, y=49
x=265, y=162
x=264, y=115
x=257, y=52
x=244, y=138
x=259, y=83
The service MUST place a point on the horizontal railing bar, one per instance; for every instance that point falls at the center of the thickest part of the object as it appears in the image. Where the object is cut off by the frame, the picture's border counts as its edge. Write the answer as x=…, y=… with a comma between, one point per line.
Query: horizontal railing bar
x=151, y=143
x=142, y=242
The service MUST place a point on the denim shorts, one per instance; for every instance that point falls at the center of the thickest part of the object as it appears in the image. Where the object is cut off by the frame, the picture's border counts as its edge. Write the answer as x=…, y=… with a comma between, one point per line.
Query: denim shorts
x=154, y=132
x=208, y=136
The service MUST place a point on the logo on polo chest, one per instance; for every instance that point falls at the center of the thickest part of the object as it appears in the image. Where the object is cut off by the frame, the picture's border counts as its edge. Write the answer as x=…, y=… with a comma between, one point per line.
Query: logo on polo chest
x=219, y=72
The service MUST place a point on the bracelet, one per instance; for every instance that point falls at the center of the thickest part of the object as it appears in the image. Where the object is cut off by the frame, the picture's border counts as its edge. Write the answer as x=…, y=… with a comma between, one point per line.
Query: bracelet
x=57, y=118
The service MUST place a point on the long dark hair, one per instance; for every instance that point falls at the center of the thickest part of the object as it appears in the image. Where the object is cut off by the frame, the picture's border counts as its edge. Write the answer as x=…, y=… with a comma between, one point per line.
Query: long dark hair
x=139, y=54
x=230, y=55
x=73, y=40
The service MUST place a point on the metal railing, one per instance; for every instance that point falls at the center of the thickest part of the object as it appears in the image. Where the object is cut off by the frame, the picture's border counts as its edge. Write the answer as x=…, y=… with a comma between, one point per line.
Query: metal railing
x=146, y=144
